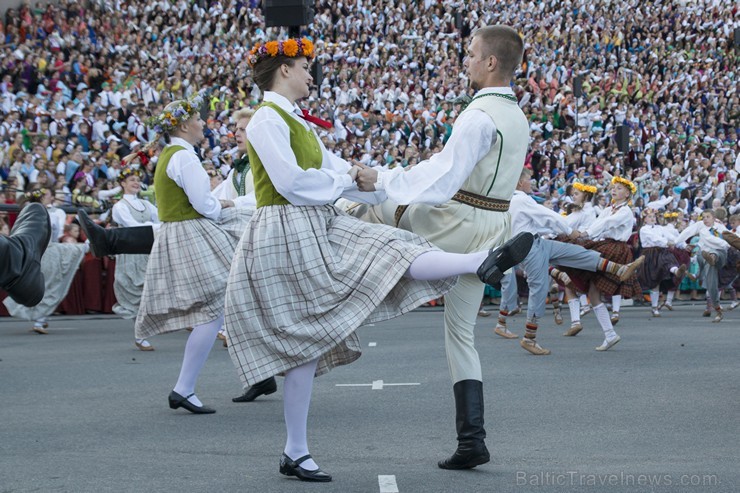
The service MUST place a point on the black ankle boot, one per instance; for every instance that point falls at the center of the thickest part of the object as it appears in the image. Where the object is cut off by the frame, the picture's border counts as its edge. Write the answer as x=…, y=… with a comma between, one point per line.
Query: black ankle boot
x=20, y=255
x=137, y=240
x=471, y=448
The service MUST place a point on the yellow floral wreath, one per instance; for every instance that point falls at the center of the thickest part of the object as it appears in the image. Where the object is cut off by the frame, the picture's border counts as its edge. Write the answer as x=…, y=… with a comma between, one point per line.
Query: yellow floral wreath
x=585, y=188
x=625, y=182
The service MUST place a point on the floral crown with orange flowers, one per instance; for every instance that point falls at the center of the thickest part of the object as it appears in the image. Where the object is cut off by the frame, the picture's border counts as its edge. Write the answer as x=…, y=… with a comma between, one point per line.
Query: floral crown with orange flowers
x=625, y=182
x=292, y=47
x=176, y=113
x=585, y=188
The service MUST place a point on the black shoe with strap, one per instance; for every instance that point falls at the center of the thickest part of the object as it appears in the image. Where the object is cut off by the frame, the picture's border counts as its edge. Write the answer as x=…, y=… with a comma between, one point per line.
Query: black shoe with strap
x=290, y=467
x=265, y=387
x=176, y=401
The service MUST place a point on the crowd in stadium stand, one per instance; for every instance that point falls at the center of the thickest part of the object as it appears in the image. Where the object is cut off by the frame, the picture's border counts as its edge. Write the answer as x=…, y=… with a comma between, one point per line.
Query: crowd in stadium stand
x=78, y=81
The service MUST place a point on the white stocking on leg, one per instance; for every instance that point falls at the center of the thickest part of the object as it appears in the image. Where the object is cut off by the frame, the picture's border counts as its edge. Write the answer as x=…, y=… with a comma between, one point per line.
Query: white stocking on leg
x=602, y=315
x=654, y=295
x=616, y=303
x=435, y=265
x=669, y=298
x=296, y=400
x=575, y=310
x=197, y=348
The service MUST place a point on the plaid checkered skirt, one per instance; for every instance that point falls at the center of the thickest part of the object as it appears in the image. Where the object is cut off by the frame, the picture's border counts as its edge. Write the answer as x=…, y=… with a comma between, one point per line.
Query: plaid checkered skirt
x=657, y=267
x=187, y=272
x=304, y=278
x=608, y=284
x=729, y=273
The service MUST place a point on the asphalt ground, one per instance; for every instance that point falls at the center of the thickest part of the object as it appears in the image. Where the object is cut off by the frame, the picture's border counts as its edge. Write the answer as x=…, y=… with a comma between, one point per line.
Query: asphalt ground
x=84, y=411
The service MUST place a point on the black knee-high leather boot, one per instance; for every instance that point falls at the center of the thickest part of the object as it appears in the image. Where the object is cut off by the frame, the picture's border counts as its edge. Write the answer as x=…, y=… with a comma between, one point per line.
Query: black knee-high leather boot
x=113, y=241
x=20, y=255
x=471, y=448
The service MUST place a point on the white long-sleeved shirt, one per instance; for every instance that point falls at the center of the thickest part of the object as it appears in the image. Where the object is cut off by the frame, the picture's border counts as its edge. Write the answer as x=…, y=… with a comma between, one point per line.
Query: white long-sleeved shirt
x=437, y=179
x=671, y=233
x=659, y=204
x=187, y=171
x=57, y=219
x=614, y=222
x=269, y=135
x=226, y=191
x=653, y=236
x=583, y=218
x=709, y=241
x=123, y=217
x=528, y=215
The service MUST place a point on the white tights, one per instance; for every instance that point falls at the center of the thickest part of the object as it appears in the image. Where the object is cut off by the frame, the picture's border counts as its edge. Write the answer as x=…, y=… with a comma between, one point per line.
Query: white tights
x=435, y=265
x=197, y=348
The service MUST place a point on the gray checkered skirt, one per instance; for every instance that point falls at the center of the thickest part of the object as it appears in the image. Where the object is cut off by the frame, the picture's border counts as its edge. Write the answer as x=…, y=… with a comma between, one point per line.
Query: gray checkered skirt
x=187, y=272
x=304, y=278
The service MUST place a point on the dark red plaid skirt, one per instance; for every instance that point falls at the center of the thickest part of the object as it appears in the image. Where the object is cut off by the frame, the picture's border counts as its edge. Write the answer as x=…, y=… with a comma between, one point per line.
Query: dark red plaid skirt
x=607, y=284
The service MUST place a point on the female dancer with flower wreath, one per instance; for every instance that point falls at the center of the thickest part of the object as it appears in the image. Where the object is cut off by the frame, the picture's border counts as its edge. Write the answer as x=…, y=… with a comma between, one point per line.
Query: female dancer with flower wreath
x=682, y=258
x=660, y=264
x=581, y=216
x=131, y=211
x=192, y=252
x=306, y=275
x=608, y=234
x=59, y=265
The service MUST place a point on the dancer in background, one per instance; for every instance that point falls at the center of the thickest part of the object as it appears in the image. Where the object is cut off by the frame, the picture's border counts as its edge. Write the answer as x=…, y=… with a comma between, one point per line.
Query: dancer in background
x=131, y=211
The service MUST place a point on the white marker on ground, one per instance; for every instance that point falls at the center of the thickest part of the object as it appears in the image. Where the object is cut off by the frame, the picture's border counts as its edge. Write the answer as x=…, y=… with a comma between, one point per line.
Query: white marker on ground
x=372, y=344
x=387, y=484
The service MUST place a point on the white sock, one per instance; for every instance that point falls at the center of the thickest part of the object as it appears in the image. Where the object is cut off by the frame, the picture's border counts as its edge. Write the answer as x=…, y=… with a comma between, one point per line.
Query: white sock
x=40, y=322
x=435, y=265
x=296, y=400
x=584, y=300
x=669, y=297
x=575, y=310
x=602, y=315
x=654, y=295
x=561, y=295
x=673, y=269
x=199, y=344
x=616, y=302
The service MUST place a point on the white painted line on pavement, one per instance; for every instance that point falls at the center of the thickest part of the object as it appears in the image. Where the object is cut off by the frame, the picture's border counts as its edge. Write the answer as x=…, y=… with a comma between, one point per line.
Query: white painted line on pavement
x=387, y=484
x=372, y=344
x=376, y=385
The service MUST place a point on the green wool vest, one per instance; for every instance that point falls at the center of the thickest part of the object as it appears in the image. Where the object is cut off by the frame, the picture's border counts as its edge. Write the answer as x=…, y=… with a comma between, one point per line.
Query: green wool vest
x=307, y=151
x=172, y=203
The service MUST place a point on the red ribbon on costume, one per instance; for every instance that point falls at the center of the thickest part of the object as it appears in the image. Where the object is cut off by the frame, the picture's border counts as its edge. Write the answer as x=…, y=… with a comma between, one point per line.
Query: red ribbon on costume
x=316, y=121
